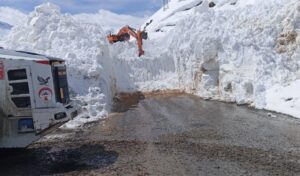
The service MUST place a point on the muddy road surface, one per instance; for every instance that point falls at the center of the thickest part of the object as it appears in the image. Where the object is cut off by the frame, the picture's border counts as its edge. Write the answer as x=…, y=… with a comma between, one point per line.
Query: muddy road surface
x=167, y=135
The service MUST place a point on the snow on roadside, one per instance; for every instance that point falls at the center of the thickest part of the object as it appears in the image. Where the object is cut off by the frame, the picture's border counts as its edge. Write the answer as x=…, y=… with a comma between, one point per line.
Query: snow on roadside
x=284, y=99
x=235, y=51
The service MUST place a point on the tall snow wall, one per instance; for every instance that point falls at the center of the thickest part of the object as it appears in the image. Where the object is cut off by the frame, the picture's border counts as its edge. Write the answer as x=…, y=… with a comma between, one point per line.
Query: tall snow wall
x=231, y=50
x=237, y=52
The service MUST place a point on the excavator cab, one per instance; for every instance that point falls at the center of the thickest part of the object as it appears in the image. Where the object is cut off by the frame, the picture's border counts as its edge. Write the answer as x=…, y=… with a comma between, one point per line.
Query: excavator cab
x=118, y=38
x=124, y=35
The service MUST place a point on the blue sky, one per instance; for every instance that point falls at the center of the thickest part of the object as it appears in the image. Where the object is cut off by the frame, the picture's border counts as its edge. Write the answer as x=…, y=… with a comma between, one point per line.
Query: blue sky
x=132, y=7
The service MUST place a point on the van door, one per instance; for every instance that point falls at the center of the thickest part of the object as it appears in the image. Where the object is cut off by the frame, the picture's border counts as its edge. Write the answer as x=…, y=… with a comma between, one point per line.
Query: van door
x=61, y=84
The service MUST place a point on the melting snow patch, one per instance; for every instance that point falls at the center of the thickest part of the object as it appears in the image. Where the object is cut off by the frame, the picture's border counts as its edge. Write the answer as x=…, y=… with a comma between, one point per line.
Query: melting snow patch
x=285, y=99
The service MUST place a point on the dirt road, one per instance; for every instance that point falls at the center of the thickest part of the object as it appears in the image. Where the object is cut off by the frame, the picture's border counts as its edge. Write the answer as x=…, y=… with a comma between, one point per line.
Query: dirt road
x=168, y=135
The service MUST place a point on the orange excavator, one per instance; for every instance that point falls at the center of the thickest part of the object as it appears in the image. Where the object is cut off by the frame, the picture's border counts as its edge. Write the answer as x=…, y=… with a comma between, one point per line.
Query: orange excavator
x=124, y=35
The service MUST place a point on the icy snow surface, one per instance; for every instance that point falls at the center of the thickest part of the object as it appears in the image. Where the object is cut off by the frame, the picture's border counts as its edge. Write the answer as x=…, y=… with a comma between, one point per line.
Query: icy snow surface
x=237, y=51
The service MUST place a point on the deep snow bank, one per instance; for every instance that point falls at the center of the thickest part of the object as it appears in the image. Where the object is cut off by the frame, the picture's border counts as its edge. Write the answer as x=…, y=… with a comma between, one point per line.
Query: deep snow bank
x=83, y=46
x=236, y=51
x=151, y=72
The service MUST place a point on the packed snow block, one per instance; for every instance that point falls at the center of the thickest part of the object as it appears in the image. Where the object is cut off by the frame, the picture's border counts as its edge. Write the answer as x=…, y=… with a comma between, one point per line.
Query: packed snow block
x=139, y=71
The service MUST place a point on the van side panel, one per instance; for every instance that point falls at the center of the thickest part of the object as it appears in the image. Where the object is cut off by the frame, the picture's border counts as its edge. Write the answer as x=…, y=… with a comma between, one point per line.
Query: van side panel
x=9, y=135
x=43, y=87
x=9, y=107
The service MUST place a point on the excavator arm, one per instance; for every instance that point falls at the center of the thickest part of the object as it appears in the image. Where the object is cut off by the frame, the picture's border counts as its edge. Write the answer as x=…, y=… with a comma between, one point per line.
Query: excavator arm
x=124, y=35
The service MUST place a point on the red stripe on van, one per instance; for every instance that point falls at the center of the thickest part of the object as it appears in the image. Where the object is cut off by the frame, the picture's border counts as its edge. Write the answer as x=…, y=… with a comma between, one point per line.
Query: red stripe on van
x=1, y=70
x=43, y=62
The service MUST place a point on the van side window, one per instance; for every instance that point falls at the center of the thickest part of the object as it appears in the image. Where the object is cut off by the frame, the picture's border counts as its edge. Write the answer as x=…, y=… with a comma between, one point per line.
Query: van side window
x=17, y=74
x=22, y=102
x=19, y=88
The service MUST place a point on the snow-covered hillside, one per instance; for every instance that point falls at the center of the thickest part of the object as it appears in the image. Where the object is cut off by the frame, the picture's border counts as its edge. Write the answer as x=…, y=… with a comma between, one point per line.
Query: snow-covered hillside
x=8, y=18
x=109, y=21
x=4, y=29
x=231, y=50
x=167, y=17
x=12, y=16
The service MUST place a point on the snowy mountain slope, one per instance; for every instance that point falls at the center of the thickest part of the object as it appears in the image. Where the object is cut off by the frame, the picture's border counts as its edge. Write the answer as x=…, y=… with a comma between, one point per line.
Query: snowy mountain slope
x=12, y=16
x=4, y=29
x=166, y=18
x=109, y=21
x=4, y=25
x=8, y=18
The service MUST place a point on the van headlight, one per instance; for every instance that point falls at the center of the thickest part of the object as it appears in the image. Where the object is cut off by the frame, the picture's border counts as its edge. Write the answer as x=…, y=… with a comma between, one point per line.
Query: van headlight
x=60, y=115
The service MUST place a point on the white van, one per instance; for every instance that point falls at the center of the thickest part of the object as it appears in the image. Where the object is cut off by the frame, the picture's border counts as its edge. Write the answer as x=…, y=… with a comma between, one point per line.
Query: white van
x=34, y=96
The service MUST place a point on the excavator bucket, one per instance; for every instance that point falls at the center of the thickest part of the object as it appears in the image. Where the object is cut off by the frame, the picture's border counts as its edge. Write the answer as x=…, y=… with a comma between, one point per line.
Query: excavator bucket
x=112, y=38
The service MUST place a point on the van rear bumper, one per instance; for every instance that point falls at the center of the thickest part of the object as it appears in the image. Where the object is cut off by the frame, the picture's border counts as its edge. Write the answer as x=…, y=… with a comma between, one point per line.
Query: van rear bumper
x=44, y=121
x=45, y=118
x=11, y=136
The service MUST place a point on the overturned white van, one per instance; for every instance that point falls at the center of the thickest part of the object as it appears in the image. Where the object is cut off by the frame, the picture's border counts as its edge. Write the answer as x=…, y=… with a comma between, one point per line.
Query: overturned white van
x=34, y=96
